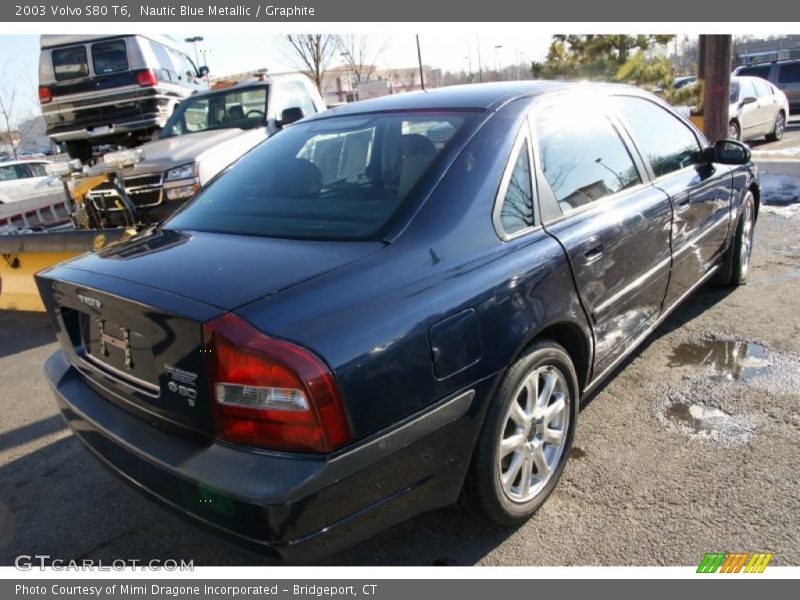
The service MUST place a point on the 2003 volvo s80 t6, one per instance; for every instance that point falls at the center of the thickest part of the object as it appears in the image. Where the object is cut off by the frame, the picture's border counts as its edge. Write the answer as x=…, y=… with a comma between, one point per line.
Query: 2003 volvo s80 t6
x=390, y=302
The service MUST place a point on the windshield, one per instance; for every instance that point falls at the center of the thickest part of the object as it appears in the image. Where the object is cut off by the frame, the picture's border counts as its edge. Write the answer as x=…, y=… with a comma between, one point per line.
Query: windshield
x=335, y=178
x=734, y=92
x=236, y=108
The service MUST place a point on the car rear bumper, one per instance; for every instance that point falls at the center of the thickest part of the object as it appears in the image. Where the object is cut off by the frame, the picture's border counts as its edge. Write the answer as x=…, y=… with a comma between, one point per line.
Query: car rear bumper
x=284, y=505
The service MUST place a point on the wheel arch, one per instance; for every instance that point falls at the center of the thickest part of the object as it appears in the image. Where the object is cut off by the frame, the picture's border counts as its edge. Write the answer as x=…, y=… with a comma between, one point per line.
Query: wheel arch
x=575, y=341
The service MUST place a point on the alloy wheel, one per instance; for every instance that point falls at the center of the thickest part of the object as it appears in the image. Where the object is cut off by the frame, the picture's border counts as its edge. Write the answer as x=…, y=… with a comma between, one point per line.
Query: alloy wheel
x=747, y=235
x=534, y=434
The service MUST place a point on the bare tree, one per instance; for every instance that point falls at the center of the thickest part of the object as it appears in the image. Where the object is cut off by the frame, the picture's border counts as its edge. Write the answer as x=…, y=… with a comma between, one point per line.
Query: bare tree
x=11, y=110
x=360, y=53
x=311, y=53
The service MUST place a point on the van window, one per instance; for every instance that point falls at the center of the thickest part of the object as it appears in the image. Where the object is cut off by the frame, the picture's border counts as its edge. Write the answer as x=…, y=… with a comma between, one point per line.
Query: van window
x=70, y=63
x=165, y=61
x=762, y=72
x=109, y=57
x=789, y=73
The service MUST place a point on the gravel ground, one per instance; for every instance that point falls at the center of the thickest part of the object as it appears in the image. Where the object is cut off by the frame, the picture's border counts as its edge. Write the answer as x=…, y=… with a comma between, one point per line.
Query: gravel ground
x=691, y=447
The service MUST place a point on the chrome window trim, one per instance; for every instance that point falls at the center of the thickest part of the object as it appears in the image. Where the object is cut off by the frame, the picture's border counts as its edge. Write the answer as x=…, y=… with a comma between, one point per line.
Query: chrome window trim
x=523, y=137
x=627, y=141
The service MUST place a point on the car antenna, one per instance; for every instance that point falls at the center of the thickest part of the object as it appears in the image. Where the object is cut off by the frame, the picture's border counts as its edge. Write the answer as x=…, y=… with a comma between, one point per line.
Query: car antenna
x=421, y=74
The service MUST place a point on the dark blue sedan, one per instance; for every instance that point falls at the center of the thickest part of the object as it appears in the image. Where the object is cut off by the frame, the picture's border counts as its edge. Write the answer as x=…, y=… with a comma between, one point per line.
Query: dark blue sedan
x=392, y=302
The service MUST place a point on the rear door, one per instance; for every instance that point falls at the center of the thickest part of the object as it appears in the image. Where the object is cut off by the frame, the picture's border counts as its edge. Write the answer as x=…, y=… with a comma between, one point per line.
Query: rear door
x=767, y=106
x=614, y=226
x=700, y=191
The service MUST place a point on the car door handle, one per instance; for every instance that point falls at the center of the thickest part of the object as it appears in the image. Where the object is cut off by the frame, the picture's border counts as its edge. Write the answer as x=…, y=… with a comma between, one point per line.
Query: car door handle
x=593, y=253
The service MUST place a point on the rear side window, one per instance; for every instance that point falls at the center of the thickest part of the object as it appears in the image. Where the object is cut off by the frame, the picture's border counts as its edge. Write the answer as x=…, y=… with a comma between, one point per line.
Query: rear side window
x=668, y=143
x=789, y=73
x=762, y=72
x=340, y=178
x=109, y=57
x=582, y=156
x=763, y=89
x=516, y=212
x=13, y=172
x=70, y=63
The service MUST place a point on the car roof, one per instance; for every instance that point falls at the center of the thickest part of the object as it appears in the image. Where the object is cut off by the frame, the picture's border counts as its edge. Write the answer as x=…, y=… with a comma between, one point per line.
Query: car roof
x=475, y=96
x=47, y=41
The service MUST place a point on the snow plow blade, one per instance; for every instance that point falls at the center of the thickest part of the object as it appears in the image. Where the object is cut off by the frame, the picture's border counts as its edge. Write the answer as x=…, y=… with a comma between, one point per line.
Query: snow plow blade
x=22, y=255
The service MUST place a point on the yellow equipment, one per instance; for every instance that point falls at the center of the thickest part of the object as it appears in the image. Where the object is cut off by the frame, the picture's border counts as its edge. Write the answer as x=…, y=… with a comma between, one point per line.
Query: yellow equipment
x=23, y=255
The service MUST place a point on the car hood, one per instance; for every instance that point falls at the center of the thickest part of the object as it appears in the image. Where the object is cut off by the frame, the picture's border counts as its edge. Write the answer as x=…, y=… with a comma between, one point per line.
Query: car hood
x=167, y=153
x=222, y=270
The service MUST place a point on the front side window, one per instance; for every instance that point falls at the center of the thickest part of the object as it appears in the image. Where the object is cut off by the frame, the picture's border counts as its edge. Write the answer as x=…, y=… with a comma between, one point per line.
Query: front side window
x=762, y=88
x=236, y=108
x=516, y=212
x=70, y=63
x=340, y=178
x=37, y=169
x=109, y=57
x=582, y=156
x=668, y=143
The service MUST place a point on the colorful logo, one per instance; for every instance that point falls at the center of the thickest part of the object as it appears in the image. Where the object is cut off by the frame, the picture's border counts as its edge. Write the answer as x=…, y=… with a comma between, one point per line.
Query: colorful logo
x=744, y=562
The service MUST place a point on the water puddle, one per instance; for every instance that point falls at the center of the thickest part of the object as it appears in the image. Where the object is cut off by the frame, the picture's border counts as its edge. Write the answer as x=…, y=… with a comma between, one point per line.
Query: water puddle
x=709, y=423
x=730, y=360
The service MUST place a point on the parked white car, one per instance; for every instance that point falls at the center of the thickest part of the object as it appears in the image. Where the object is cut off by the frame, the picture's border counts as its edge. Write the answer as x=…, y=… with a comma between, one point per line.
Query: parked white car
x=29, y=197
x=757, y=109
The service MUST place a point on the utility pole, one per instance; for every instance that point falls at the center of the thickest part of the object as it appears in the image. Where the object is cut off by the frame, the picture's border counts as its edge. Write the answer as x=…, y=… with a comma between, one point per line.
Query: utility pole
x=480, y=69
x=421, y=73
x=716, y=71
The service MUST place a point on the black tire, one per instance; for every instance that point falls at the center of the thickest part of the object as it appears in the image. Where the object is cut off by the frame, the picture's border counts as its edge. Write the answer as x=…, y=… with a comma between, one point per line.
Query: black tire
x=734, y=131
x=485, y=475
x=778, y=127
x=80, y=150
x=735, y=267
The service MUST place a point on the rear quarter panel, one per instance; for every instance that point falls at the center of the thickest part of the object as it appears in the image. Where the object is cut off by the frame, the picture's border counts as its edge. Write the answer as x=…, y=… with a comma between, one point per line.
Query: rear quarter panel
x=371, y=321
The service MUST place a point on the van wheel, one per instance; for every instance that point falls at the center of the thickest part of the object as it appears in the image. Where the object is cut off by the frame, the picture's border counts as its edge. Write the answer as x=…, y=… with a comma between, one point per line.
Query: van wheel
x=778, y=128
x=525, y=441
x=80, y=150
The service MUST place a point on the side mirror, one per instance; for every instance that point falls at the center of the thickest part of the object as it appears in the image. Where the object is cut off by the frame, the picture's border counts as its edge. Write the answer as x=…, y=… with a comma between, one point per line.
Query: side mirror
x=290, y=115
x=730, y=152
x=747, y=100
x=202, y=71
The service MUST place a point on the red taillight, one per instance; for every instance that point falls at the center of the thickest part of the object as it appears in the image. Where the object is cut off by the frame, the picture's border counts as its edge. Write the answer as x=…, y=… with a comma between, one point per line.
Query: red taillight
x=45, y=95
x=271, y=393
x=146, y=78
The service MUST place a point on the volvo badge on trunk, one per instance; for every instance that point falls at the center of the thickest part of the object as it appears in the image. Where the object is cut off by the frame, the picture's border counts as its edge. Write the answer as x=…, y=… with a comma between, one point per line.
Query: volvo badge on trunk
x=92, y=302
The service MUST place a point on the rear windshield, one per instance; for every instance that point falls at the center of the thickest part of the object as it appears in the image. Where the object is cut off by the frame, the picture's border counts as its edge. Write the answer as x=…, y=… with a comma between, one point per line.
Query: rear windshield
x=109, y=57
x=70, y=63
x=337, y=178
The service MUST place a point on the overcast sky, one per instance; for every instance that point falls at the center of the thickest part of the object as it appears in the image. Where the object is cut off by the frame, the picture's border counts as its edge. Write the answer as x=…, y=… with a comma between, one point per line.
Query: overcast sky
x=225, y=54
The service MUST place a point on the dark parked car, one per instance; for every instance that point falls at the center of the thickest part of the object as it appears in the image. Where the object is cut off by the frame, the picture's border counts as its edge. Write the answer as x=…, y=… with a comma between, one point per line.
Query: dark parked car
x=354, y=322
